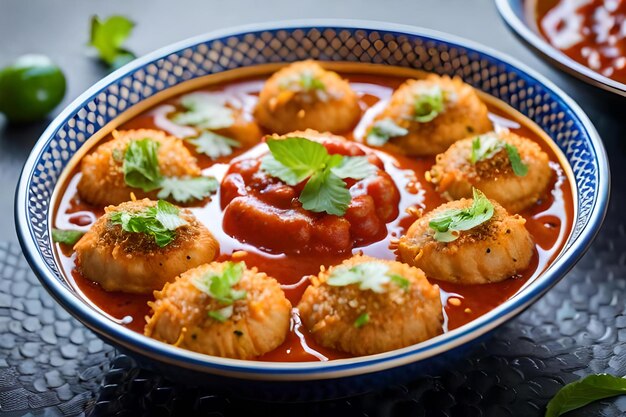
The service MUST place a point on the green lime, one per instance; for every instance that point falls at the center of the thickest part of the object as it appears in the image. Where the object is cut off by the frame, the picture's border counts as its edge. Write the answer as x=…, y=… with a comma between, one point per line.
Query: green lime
x=30, y=88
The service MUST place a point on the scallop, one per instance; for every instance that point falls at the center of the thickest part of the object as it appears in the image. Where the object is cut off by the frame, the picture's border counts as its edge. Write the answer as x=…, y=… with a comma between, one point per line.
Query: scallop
x=304, y=95
x=102, y=179
x=187, y=315
x=424, y=117
x=493, y=251
x=366, y=306
x=134, y=262
x=456, y=172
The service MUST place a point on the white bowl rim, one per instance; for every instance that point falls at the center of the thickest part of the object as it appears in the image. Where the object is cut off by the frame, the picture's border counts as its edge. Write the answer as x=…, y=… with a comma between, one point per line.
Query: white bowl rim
x=563, y=61
x=304, y=371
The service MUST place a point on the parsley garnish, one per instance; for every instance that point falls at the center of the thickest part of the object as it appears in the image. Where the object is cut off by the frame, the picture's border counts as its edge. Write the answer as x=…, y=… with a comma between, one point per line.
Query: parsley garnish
x=141, y=170
x=68, y=237
x=485, y=147
x=382, y=131
x=587, y=390
x=293, y=160
x=204, y=112
x=448, y=224
x=187, y=189
x=428, y=104
x=362, y=320
x=306, y=82
x=141, y=164
x=220, y=287
x=108, y=36
x=159, y=221
x=368, y=275
x=213, y=145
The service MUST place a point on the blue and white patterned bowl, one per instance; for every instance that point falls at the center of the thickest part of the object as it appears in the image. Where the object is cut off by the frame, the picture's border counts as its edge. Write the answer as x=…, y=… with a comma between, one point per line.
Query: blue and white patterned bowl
x=518, y=16
x=367, y=42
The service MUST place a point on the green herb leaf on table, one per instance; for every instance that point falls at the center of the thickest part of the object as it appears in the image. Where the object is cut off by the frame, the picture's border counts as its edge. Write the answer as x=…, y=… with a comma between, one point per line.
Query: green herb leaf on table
x=108, y=36
x=160, y=221
x=293, y=160
x=382, y=131
x=519, y=168
x=428, y=104
x=204, y=112
x=67, y=237
x=187, y=189
x=448, y=224
x=362, y=320
x=213, y=145
x=368, y=275
x=585, y=391
x=141, y=164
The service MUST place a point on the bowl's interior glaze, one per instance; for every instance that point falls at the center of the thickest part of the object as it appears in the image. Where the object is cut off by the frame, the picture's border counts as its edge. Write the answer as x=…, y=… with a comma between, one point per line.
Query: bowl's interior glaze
x=147, y=78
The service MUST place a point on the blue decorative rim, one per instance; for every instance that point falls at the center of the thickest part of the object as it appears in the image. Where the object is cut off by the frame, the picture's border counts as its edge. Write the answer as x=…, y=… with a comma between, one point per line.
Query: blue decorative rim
x=512, y=12
x=47, y=160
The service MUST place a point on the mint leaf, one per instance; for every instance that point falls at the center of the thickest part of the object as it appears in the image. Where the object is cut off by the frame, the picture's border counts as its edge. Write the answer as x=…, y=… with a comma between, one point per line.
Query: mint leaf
x=204, y=112
x=428, y=104
x=141, y=164
x=67, y=237
x=362, y=320
x=447, y=224
x=368, y=275
x=326, y=192
x=108, y=36
x=220, y=285
x=187, y=189
x=157, y=221
x=213, y=145
x=583, y=392
x=355, y=167
x=292, y=160
x=519, y=168
x=382, y=131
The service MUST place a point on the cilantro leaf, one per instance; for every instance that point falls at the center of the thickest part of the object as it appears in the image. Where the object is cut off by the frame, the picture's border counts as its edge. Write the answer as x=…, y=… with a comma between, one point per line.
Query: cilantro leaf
x=141, y=164
x=222, y=314
x=448, y=223
x=355, y=167
x=187, y=189
x=67, y=237
x=157, y=221
x=293, y=160
x=428, y=105
x=108, y=36
x=585, y=391
x=325, y=192
x=369, y=275
x=305, y=82
x=220, y=285
x=204, y=112
x=382, y=131
x=519, y=168
x=362, y=320
x=213, y=145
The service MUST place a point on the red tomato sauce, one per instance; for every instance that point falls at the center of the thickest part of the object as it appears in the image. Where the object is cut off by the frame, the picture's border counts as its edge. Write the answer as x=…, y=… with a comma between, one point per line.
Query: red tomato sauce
x=592, y=32
x=549, y=222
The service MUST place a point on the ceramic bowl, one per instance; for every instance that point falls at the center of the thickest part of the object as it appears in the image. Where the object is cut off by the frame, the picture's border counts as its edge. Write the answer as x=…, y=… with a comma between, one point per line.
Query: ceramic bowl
x=366, y=42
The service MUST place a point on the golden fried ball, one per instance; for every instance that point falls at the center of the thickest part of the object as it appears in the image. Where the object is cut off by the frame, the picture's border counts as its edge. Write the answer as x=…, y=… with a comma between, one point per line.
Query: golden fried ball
x=102, y=181
x=134, y=262
x=462, y=114
x=407, y=312
x=304, y=95
x=454, y=174
x=491, y=252
x=258, y=323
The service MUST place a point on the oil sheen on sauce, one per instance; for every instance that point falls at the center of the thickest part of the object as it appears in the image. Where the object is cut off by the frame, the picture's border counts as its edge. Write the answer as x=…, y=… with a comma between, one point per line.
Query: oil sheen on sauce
x=549, y=222
x=592, y=32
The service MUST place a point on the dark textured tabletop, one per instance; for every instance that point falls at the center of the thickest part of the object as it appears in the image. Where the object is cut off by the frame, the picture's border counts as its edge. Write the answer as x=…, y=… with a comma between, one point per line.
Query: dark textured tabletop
x=50, y=365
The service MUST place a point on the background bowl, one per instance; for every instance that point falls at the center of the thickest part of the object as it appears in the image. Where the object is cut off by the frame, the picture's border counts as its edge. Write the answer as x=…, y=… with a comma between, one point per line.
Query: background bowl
x=517, y=15
x=367, y=42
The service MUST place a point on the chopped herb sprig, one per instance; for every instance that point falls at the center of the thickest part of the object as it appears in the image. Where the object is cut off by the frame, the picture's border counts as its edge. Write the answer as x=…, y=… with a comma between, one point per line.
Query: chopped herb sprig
x=449, y=223
x=220, y=286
